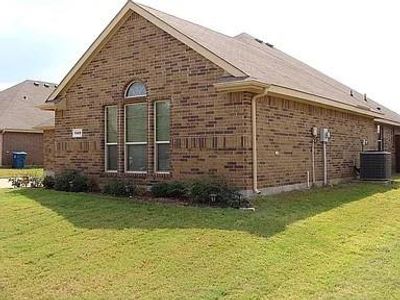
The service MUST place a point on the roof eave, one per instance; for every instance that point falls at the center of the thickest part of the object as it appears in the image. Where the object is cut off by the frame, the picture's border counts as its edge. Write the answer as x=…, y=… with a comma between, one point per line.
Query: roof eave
x=321, y=101
x=258, y=87
x=52, y=106
x=387, y=122
x=252, y=86
x=44, y=127
x=15, y=130
x=48, y=106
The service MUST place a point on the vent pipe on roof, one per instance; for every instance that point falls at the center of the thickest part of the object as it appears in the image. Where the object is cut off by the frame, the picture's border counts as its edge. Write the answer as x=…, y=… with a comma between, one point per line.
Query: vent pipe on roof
x=351, y=93
x=365, y=98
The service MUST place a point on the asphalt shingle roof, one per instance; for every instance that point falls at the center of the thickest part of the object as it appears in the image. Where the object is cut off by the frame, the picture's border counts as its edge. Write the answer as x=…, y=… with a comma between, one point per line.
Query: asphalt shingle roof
x=18, y=109
x=266, y=63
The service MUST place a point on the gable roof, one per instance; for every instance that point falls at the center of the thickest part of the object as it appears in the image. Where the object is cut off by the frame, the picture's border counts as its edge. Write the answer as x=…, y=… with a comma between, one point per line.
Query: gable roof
x=247, y=59
x=18, y=111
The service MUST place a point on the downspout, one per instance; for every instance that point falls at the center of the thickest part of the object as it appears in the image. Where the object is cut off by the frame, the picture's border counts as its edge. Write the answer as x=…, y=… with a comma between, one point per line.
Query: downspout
x=254, y=138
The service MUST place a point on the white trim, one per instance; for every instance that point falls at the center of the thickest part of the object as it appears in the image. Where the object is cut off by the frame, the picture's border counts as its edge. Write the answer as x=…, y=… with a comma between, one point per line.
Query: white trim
x=137, y=96
x=256, y=86
x=387, y=122
x=126, y=144
x=12, y=130
x=156, y=143
x=109, y=144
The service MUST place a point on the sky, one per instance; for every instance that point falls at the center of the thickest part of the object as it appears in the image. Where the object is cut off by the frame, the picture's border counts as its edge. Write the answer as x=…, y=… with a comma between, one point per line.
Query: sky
x=356, y=42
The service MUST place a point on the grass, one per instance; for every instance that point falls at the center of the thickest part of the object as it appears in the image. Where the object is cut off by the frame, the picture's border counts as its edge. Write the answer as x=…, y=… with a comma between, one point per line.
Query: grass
x=7, y=173
x=336, y=243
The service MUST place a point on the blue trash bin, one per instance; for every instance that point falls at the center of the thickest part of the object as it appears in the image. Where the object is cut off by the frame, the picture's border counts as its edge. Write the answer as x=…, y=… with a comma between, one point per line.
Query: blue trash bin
x=18, y=161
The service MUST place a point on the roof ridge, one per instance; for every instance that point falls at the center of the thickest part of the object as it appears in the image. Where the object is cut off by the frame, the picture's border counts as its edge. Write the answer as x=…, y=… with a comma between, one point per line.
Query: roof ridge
x=171, y=15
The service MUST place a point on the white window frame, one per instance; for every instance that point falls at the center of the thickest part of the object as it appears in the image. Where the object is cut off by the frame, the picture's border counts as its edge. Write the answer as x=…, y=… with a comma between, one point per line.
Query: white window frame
x=134, y=143
x=159, y=142
x=137, y=96
x=105, y=140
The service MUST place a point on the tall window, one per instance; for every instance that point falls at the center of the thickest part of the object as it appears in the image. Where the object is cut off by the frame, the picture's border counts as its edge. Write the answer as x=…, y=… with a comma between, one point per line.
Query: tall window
x=111, y=138
x=162, y=136
x=136, y=90
x=136, y=138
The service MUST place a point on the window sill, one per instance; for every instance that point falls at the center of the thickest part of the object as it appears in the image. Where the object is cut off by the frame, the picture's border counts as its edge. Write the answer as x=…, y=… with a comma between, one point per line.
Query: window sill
x=135, y=174
x=162, y=175
x=145, y=175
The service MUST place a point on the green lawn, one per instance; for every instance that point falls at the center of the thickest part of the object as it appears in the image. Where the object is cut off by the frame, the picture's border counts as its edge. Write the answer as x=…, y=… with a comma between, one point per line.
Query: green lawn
x=7, y=173
x=342, y=242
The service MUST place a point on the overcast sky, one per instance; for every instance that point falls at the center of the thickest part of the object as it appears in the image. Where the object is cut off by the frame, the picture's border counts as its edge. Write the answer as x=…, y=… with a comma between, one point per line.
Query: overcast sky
x=356, y=42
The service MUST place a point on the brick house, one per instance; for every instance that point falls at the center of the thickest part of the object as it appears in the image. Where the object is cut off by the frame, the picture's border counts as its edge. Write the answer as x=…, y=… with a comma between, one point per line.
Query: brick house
x=18, y=118
x=159, y=98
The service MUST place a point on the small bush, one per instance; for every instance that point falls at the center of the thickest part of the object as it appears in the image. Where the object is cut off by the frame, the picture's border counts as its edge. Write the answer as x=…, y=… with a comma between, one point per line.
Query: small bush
x=93, y=185
x=48, y=182
x=174, y=189
x=71, y=181
x=215, y=191
x=141, y=190
x=36, y=181
x=207, y=190
x=79, y=184
x=15, y=181
x=26, y=181
x=120, y=188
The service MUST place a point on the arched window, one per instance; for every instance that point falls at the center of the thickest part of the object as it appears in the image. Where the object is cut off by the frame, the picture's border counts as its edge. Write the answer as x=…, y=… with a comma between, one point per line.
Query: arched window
x=136, y=89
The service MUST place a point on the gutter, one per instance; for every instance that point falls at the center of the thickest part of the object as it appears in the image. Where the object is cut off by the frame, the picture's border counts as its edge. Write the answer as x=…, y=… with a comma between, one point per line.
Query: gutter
x=387, y=122
x=256, y=86
x=254, y=138
x=15, y=130
x=48, y=106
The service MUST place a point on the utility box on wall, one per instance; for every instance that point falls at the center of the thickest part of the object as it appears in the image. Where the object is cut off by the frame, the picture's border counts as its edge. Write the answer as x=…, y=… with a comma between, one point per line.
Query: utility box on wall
x=325, y=135
x=375, y=165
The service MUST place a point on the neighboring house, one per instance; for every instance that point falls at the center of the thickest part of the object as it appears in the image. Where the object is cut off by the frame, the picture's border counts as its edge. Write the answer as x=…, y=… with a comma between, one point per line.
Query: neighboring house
x=159, y=98
x=18, y=117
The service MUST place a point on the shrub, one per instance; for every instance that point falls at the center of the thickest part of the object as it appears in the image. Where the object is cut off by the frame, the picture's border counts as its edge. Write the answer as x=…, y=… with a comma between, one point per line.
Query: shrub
x=141, y=190
x=79, y=184
x=173, y=189
x=71, y=181
x=93, y=185
x=206, y=190
x=15, y=181
x=48, y=182
x=215, y=191
x=36, y=181
x=120, y=188
x=33, y=181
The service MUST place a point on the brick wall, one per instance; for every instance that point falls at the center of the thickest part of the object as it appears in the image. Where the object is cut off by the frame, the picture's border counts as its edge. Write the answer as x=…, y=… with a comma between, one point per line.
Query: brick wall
x=210, y=132
x=388, y=144
x=48, y=151
x=285, y=141
x=31, y=143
